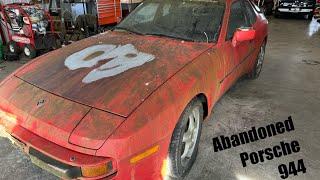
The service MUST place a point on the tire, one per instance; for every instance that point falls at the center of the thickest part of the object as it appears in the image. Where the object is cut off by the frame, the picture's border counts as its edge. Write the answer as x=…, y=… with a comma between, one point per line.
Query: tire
x=13, y=47
x=29, y=51
x=255, y=72
x=182, y=159
x=8, y=56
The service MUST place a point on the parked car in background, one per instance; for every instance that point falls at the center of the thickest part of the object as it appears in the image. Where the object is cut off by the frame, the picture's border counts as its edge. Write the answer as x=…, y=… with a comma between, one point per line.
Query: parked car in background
x=299, y=7
x=129, y=103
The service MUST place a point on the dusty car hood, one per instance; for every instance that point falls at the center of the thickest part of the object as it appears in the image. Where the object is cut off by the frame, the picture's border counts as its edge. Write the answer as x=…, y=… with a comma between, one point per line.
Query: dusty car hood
x=120, y=90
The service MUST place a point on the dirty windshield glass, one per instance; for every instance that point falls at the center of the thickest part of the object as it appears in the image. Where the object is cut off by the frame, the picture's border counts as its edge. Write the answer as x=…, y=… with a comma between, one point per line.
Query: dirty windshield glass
x=191, y=20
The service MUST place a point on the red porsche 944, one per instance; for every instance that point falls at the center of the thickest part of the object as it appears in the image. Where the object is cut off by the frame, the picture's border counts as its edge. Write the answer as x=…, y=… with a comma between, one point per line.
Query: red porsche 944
x=129, y=103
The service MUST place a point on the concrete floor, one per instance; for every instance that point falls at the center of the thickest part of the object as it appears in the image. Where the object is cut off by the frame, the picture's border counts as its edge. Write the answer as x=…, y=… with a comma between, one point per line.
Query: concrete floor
x=289, y=85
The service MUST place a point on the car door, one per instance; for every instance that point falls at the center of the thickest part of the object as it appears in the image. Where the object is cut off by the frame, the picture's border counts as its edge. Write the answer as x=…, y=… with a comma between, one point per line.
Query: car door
x=235, y=55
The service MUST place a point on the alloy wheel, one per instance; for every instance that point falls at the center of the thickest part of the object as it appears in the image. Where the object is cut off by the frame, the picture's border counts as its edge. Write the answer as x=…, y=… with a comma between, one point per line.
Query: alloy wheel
x=11, y=48
x=260, y=60
x=27, y=52
x=190, y=135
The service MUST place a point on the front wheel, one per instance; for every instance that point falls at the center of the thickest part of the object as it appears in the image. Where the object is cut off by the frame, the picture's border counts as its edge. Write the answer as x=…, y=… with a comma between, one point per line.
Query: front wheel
x=185, y=140
x=29, y=51
x=255, y=72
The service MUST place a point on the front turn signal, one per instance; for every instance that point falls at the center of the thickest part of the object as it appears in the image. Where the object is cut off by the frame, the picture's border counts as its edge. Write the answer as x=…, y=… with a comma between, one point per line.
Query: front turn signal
x=98, y=170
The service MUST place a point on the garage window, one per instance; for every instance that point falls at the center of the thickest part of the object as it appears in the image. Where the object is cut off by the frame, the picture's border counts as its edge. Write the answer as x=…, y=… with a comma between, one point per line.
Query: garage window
x=237, y=19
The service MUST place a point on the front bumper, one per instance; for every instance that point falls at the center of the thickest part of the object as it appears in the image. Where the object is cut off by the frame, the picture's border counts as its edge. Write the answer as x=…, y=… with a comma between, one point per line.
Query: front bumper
x=51, y=157
x=294, y=10
x=57, y=168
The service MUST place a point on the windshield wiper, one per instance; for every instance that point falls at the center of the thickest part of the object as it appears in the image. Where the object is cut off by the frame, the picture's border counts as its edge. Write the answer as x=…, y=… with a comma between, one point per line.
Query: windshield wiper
x=170, y=36
x=154, y=34
x=127, y=29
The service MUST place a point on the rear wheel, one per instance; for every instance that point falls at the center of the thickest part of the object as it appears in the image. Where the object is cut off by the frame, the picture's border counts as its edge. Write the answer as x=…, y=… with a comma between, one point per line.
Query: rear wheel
x=185, y=140
x=255, y=72
x=13, y=47
x=29, y=51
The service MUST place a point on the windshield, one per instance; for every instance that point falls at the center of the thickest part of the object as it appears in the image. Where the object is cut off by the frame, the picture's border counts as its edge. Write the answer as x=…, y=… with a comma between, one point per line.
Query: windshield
x=191, y=20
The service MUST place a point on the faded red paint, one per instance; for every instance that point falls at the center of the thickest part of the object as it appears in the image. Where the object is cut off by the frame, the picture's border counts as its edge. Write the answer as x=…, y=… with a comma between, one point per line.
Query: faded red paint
x=119, y=117
x=101, y=123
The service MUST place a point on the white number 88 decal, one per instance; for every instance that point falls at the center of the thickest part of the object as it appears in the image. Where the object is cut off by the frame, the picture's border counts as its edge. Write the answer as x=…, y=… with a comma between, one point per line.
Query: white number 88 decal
x=122, y=58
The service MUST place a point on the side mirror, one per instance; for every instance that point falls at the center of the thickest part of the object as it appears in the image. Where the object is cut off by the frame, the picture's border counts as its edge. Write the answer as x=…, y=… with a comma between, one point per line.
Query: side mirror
x=243, y=34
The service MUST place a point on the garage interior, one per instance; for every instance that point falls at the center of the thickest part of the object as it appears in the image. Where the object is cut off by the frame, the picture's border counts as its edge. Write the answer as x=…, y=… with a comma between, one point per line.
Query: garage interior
x=289, y=85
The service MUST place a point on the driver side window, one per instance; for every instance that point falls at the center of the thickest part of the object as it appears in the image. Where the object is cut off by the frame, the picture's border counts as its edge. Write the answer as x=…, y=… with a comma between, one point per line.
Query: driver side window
x=237, y=19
